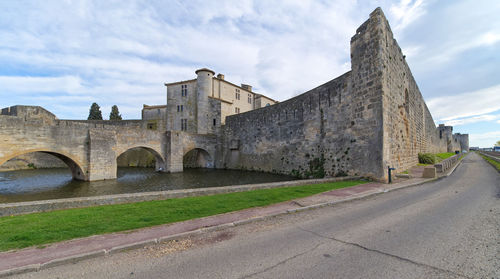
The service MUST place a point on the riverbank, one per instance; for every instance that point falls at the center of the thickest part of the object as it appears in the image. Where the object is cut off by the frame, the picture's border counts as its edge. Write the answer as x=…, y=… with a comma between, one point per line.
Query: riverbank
x=48, y=227
x=57, y=184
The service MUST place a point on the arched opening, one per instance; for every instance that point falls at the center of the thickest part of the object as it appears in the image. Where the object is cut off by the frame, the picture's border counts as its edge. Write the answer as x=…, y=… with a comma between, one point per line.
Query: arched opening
x=141, y=157
x=197, y=158
x=42, y=160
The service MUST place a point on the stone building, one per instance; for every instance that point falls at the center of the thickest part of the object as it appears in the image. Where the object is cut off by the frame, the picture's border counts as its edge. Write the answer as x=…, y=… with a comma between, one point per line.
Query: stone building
x=201, y=105
x=360, y=123
x=155, y=116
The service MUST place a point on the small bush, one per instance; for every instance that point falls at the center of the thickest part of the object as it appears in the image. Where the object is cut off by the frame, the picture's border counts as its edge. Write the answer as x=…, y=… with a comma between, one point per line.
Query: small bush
x=426, y=158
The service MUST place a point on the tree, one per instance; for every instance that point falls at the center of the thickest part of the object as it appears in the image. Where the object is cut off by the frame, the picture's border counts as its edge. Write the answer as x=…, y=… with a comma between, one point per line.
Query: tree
x=115, y=114
x=95, y=112
x=498, y=143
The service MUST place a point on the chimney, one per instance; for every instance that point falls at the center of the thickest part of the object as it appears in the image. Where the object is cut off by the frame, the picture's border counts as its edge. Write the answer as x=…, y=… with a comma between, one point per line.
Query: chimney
x=220, y=76
x=246, y=87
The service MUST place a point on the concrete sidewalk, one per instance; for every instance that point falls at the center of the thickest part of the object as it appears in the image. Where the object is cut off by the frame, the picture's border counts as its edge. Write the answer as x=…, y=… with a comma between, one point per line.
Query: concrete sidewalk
x=34, y=259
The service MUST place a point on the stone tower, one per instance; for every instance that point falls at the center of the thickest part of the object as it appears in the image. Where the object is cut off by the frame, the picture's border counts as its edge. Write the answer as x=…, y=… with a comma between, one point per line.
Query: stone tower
x=203, y=89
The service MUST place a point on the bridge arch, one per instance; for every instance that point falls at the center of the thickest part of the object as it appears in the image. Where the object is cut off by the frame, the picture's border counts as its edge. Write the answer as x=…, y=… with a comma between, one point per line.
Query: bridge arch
x=159, y=160
x=77, y=171
x=197, y=158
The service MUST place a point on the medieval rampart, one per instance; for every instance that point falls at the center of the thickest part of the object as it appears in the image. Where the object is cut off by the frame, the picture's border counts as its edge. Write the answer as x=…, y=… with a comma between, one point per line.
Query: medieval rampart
x=317, y=133
x=360, y=123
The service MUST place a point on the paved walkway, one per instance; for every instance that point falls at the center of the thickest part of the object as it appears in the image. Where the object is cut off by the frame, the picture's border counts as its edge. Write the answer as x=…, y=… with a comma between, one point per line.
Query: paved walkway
x=33, y=259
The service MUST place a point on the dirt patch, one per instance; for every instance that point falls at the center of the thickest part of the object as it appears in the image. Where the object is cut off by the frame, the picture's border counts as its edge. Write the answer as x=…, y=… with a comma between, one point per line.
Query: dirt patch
x=169, y=247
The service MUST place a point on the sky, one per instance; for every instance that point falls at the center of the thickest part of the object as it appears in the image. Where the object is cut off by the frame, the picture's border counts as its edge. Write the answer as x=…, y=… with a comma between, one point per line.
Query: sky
x=65, y=55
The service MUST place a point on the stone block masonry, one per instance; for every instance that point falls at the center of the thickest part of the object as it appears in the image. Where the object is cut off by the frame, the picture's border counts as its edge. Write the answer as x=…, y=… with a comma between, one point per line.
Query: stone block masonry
x=89, y=148
x=357, y=124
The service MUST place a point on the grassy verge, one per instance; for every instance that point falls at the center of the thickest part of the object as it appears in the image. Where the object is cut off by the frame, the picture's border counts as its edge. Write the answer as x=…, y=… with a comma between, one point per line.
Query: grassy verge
x=491, y=161
x=42, y=228
x=443, y=156
x=429, y=159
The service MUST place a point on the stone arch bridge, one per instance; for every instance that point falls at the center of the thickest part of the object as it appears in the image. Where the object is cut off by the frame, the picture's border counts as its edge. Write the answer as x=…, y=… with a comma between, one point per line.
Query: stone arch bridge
x=90, y=148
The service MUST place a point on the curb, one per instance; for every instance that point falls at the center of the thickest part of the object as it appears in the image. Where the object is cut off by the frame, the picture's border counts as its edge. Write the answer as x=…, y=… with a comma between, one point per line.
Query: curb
x=72, y=259
x=20, y=270
x=130, y=246
x=145, y=243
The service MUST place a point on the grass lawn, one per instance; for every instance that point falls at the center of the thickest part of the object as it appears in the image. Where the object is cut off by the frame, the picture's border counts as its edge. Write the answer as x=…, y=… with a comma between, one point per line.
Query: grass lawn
x=48, y=227
x=446, y=155
x=492, y=162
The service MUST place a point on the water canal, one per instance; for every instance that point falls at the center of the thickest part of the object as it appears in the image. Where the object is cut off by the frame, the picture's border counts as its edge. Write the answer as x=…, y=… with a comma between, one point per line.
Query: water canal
x=56, y=183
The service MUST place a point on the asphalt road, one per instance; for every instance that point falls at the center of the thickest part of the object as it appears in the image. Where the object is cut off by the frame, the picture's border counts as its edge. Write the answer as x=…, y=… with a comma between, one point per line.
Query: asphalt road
x=446, y=229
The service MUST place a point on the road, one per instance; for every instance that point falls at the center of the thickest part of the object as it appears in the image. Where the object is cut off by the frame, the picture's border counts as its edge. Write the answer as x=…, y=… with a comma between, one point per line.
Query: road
x=449, y=228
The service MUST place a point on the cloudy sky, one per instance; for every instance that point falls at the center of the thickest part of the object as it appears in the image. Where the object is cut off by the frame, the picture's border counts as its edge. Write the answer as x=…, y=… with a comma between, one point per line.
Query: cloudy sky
x=64, y=55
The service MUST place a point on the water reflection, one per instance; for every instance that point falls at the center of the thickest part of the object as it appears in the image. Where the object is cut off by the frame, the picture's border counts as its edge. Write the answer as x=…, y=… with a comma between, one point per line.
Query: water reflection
x=42, y=184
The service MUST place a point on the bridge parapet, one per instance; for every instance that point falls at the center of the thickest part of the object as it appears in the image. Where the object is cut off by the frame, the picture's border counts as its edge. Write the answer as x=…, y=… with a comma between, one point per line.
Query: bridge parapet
x=89, y=148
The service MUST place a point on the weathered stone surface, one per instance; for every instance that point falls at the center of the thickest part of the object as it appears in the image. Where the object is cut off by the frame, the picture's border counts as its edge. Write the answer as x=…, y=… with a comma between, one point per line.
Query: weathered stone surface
x=360, y=123
x=89, y=148
x=429, y=172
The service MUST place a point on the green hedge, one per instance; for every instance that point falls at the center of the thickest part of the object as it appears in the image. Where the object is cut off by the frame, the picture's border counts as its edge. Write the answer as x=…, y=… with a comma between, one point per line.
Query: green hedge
x=426, y=158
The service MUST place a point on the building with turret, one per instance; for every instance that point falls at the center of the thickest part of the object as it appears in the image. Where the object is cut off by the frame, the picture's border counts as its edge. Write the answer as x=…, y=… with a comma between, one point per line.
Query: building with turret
x=202, y=104
x=361, y=123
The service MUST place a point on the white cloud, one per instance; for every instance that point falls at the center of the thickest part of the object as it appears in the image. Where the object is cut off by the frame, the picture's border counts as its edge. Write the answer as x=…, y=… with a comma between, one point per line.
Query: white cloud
x=487, y=139
x=98, y=50
x=473, y=119
x=454, y=48
x=411, y=51
x=101, y=51
x=467, y=104
x=23, y=84
x=405, y=12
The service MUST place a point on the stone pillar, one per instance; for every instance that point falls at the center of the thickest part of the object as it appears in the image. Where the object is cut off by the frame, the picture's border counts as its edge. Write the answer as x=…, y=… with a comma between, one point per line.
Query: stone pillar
x=204, y=86
x=102, y=157
x=174, y=152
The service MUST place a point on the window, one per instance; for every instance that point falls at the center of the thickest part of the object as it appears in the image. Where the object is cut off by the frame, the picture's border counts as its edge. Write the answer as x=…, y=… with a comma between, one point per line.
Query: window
x=249, y=98
x=237, y=110
x=215, y=121
x=237, y=94
x=180, y=108
x=184, y=90
x=184, y=125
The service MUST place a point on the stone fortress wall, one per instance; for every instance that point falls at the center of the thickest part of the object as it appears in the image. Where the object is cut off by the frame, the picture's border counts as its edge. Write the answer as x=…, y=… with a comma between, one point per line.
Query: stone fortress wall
x=317, y=133
x=360, y=123
x=366, y=120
